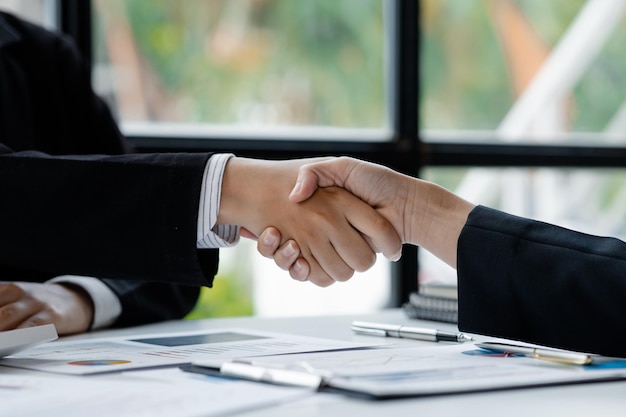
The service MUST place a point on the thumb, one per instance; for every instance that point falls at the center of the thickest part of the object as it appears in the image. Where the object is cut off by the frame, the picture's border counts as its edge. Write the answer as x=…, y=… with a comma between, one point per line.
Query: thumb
x=326, y=173
x=306, y=184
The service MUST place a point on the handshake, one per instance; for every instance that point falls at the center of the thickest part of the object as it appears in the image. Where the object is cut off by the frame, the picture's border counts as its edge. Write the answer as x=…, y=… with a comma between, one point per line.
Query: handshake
x=325, y=218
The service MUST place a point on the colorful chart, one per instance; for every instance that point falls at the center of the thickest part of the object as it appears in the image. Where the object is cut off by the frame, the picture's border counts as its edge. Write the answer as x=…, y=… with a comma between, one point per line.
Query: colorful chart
x=99, y=362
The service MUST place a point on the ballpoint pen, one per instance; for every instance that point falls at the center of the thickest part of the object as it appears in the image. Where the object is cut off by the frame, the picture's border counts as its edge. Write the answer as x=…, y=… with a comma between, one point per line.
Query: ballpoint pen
x=547, y=354
x=408, y=332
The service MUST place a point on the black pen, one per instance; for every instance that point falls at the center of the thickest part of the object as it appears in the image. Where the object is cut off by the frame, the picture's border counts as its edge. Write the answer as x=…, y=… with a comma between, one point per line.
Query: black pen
x=407, y=332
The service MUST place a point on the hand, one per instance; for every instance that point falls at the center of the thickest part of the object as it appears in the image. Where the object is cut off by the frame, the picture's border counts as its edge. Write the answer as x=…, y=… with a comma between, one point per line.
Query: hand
x=286, y=257
x=421, y=212
x=336, y=232
x=28, y=304
x=378, y=186
x=385, y=190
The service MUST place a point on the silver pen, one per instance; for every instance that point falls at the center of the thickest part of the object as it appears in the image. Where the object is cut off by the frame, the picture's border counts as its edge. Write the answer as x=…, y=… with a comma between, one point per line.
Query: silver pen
x=546, y=354
x=408, y=332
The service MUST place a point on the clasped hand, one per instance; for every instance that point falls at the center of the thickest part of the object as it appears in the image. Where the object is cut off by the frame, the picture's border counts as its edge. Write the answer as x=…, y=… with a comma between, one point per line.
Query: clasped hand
x=324, y=239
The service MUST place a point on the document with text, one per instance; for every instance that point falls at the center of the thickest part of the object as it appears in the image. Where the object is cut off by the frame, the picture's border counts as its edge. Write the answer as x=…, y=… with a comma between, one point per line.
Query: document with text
x=112, y=354
x=154, y=393
x=420, y=371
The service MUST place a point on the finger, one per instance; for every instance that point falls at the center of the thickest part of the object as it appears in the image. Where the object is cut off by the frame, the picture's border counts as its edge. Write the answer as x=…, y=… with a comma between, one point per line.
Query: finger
x=287, y=254
x=367, y=222
x=354, y=252
x=394, y=257
x=306, y=184
x=10, y=293
x=330, y=262
x=319, y=276
x=268, y=242
x=11, y=315
x=300, y=270
x=378, y=232
x=347, y=239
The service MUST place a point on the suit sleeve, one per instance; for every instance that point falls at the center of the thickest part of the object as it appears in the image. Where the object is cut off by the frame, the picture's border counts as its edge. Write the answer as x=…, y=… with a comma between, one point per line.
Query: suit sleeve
x=121, y=217
x=536, y=282
x=147, y=302
x=56, y=112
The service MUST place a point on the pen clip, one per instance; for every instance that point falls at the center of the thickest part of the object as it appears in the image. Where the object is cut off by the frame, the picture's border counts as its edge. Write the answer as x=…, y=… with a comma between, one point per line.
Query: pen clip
x=369, y=332
x=271, y=375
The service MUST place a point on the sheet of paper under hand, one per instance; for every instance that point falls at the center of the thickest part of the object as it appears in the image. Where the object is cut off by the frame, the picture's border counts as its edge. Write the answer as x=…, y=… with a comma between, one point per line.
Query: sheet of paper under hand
x=13, y=341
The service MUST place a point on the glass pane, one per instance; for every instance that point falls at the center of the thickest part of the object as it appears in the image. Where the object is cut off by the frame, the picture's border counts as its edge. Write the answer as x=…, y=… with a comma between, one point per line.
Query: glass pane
x=41, y=12
x=243, y=62
x=524, y=70
x=588, y=200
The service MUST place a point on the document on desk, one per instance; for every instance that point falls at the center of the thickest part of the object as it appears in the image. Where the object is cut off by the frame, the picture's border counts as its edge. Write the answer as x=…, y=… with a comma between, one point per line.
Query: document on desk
x=90, y=356
x=407, y=372
x=155, y=393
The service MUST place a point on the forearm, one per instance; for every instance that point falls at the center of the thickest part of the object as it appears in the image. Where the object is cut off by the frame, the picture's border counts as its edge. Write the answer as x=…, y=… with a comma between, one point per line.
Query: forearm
x=434, y=218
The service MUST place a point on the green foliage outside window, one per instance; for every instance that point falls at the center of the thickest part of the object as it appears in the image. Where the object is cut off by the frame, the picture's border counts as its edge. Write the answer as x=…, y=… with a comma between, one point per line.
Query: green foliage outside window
x=280, y=62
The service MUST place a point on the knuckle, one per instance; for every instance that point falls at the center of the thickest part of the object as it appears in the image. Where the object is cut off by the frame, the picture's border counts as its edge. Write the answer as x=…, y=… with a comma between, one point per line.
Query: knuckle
x=322, y=281
x=365, y=262
x=264, y=250
x=343, y=275
x=382, y=226
x=13, y=290
x=9, y=312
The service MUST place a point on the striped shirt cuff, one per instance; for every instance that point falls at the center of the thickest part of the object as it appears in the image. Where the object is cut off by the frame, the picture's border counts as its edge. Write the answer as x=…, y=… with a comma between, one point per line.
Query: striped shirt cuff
x=210, y=235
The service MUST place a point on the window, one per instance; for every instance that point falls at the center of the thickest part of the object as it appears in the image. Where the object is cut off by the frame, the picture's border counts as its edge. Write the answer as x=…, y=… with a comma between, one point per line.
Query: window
x=524, y=71
x=535, y=85
x=269, y=78
x=251, y=68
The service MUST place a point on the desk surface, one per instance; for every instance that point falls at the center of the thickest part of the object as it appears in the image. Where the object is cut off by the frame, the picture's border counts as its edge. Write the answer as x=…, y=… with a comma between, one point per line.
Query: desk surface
x=601, y=399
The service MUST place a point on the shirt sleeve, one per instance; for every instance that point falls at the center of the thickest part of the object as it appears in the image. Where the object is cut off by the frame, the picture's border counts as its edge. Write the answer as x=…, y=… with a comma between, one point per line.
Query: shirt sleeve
x=106, y=306
x=210, y=235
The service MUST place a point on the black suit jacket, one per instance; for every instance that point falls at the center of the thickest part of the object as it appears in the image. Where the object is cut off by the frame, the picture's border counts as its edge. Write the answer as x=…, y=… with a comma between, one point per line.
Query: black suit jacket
x=74, y=203
x=540, y=283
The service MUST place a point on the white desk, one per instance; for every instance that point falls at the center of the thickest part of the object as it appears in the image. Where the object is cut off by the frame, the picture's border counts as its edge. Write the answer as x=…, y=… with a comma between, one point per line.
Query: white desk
x=598, y=399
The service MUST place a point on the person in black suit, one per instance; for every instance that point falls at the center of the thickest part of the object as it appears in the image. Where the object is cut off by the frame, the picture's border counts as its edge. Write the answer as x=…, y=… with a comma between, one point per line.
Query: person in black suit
x=80, y=210
x=517, y=278
x=47, y=105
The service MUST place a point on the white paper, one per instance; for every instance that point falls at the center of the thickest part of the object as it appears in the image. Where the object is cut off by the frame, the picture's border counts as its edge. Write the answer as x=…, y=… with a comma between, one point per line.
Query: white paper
x=390, y=372
x=124, y=353
x=13, y=341
x=153, y=393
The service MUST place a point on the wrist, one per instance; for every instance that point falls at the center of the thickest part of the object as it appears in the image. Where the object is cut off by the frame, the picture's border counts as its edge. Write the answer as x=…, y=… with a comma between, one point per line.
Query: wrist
x=253, y=191
x=438, y=218
x=84, y=313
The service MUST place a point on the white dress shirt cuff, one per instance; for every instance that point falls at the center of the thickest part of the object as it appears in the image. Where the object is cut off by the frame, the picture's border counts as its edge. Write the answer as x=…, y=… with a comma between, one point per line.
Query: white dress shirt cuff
x=210, y=235
x=106, y=305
